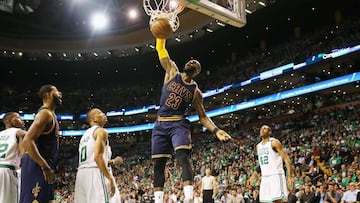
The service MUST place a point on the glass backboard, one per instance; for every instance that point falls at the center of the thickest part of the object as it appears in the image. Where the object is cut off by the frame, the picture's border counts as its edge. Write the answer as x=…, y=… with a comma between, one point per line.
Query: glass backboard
x=228, y=11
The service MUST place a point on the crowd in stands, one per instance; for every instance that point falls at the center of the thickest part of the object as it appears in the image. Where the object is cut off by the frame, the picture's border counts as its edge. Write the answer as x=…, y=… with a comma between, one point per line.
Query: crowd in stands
x=322, y=40
x=323, y=145
x=323, y=142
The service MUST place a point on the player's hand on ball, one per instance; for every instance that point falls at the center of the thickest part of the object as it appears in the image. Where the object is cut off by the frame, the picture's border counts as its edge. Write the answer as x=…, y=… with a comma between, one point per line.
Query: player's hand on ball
x=222, y=135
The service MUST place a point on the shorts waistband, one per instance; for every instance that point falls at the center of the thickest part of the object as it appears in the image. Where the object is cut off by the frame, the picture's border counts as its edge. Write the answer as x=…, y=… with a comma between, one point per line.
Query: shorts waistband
x=7, y=166
x=87, y=167
x=170, y=118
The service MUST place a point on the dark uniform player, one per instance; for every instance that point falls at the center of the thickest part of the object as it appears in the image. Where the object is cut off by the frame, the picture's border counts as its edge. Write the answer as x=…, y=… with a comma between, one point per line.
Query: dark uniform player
x=41, y=144
x=172, y=130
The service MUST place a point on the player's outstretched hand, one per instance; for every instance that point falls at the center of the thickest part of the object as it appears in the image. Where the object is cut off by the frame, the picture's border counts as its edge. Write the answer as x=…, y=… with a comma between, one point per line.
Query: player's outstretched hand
x=222, y=135
x=118, y=160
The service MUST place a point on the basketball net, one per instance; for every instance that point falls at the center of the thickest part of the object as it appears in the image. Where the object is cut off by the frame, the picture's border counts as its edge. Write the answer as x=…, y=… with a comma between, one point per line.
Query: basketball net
x=168, y=9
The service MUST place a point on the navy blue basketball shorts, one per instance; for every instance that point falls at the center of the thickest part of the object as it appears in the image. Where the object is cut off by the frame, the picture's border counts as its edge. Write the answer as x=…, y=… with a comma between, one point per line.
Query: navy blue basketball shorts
x=169, y=135
x=33, y=185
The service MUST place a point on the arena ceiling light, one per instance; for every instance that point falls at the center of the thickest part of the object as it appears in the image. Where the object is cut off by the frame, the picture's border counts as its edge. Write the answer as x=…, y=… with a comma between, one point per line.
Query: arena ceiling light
x=133, y=13
x=173, y=4
x=99, y=21
x=262, y=3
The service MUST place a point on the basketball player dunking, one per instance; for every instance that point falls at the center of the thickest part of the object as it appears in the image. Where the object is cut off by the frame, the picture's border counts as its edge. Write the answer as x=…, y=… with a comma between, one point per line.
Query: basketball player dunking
x=41, y=144
x=172, y=130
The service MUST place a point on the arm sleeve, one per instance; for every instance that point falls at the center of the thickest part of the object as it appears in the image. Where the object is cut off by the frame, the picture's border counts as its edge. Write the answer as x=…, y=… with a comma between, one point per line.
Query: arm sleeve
x=160, y=48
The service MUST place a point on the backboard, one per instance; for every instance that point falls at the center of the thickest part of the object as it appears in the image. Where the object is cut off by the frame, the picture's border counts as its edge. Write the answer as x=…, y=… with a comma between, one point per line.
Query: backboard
x=228, y=11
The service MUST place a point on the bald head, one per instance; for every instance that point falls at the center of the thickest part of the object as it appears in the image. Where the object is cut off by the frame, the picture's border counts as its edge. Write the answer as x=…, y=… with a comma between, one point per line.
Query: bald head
x=265, y=127
x=7, y=117
x=12, y=119
x=265, y=131
x=96, y=116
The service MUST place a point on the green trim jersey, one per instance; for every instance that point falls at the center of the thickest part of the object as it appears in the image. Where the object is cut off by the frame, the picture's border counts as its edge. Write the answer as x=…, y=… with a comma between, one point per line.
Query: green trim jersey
x=270, y=161
x=9, y=151
x=87, y=148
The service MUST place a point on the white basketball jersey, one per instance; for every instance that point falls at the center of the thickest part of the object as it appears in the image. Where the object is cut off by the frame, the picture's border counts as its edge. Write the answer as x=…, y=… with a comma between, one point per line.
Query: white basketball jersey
x=270, y=161
x=9, y=151
x=87, y=148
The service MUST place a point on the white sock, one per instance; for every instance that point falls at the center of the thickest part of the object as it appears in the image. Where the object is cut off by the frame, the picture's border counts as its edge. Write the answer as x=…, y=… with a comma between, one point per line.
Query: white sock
x=159, y=196
x=188, y=192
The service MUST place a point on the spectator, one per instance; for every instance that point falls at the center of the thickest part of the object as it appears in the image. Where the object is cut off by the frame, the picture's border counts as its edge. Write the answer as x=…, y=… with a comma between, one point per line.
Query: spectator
x=331, y=196
x=308, y=196
x=350, y=195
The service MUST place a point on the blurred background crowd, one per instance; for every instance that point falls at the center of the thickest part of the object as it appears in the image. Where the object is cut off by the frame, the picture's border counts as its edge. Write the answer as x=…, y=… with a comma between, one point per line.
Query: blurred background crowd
x=319, y=131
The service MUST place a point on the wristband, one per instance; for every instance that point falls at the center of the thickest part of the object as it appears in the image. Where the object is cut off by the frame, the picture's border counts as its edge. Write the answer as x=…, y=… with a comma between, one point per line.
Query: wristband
x=46, y=168
x=215, y=131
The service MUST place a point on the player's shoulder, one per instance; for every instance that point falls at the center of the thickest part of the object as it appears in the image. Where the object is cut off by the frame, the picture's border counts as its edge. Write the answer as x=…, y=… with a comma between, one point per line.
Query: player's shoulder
x=274, y=139
x=20, y=132
x=99, y=129
x=45, y=113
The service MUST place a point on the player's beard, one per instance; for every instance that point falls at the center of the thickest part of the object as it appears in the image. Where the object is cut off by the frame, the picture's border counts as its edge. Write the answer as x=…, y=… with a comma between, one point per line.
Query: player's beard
x=190, y=69
x=57, y=101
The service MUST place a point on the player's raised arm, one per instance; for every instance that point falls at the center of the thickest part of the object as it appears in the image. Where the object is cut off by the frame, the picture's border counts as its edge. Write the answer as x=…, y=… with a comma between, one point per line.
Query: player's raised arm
x=168, y=65
x=205, y=120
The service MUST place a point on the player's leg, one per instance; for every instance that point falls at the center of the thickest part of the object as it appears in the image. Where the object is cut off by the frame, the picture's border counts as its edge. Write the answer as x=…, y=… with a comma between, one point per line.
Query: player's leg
x=183, y=156
x=160, y=151
x=279, y=190
x=80, y=193
x=159, y=179
x=91, y=186
x=33, y=185
x=265, y=189
x=8, y=186
x=275, y=189
x=181, y=140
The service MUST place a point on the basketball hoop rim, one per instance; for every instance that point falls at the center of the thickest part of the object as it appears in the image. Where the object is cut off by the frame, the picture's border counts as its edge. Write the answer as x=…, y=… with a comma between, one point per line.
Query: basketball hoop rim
x=149, y=12
x=163, y=9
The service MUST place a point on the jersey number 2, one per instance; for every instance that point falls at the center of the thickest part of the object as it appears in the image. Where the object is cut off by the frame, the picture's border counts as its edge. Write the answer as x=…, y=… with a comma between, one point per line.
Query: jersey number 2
x=3, y=149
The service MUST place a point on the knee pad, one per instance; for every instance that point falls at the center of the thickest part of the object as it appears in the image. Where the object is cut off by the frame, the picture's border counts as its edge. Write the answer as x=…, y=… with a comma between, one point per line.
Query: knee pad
x=159, y=172
x=182, y=155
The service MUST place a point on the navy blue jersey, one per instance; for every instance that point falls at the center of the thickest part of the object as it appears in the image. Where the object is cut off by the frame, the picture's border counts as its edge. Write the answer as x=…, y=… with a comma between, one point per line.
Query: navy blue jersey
x=34, y=188
x=176, y=97
x=48, y=142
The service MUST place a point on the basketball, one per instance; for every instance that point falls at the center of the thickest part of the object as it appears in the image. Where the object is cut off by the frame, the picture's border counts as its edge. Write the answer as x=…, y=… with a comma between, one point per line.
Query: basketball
x=161, y=28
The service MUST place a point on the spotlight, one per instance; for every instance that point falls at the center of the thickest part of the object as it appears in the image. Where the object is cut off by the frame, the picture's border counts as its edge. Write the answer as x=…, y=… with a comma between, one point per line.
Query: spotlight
x=132, y=14
x=99, y=21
